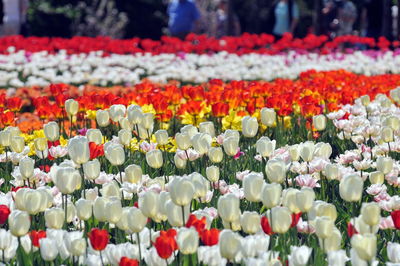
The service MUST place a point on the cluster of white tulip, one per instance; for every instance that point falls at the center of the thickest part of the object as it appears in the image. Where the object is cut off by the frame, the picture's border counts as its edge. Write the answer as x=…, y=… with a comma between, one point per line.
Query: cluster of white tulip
x=43, y=69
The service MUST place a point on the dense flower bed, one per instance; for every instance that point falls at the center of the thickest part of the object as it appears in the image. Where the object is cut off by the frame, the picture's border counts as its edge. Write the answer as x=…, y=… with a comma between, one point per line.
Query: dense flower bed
x=257, y=173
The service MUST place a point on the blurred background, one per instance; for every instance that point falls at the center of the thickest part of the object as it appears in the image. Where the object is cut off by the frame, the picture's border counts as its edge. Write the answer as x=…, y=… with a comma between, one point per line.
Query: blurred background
x=151, y=18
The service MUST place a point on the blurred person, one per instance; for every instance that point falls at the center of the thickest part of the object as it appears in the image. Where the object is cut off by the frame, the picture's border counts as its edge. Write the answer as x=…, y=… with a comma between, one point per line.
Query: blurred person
x=330, y=22
x=183, y=14
x=347, y=15
x=14, y=16
x=286, y=16
x=371, y=18
x=222, y=18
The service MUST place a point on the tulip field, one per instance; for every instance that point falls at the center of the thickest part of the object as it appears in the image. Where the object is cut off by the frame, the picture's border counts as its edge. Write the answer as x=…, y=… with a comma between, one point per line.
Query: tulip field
x=238, y=151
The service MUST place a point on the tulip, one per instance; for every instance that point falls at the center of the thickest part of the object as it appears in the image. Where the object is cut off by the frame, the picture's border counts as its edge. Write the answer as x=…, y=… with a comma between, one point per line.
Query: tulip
x=231, y=145
x=207, y=127
x=210, y=237
x=17, y=144
x=54, y=218
x=4, y=213
x=75, y=244
x=393, y=122
x=135, y=114
x=91, y=169
x=40, y=144
x=299, y=256
x=177, y=215
x=125, y=124
x=319, y=122
x=98, y=239
x=117, y=111
x=179, y=162
x=166, y=244
x=323, y=227
x=122, y=224
x=249, y=126
x=125, y=137
x=268, y=117
x=387, y=134
x=181, y=191
x=67, y=180
x=294, y=152
x=183, y=141
x=102, y=118
x=361, y=227
x=188, y=240
x=200, y=184
x=84, y=209
x=338, y=258
x=271, y=194
x=229, y=244
x=276, y=170
x=26, y=167
x=19, y=223
x=323, y=150
x=5, y=138
x=94, y=135
x=376, y=177
x=215, y=154
x=71, y=107
x=161, y=137
x=393, y=252
x=250, y=222
x=52, y=131
x=365, y=100
x=78, y=149
x=190, y=130
x=307, y=151
x=148, y=120
x=148, y=203
x=252, y=187
x=371, y=213
x=113, y=210
x=365, y=246
x=305, y=199
x=229, y=207
x=326, y=209
x=136, y=220
x=281, y=219
x=289, y=200
x=265, y=147
x=111, y=189
x=351, y=188
x=201, y=142
x=384, y=164
x=333, y=242
x=115, y=154
x=100, y=209
x=154, y=159
x=47, y=250
x=332, y=171
x=133, y=173
x=212, y=173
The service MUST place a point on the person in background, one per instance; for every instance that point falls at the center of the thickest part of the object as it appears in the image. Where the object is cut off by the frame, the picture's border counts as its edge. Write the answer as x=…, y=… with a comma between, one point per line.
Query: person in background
x=371, y=18
x=222, y=25
x=183, y=14
x=347, y=15
x=330, y=22
x=286, y=14
x=14, y=16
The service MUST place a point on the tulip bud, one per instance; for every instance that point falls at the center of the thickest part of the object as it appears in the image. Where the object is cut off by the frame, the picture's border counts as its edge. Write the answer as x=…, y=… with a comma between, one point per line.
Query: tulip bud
x=71, y=107
x=323, y=227
x=207, y=127
x=52, y=131
x=276, y=170
x=271, y=194
x=181, y=191
x=281, y=219
x=78, y=149
x=47, y=250
x=26, y=167
x=384, y=164
x=212, y=173
x=252, y=187
x=135, y=114
x=67, y=180
x=365, y=246
x=265, y=147
x=251, y=222
x=332, y=171
x=229, y=244
x=229, y=207
x=294, y=152
x=54, y=218
x=187, y=240
x=91, y=169
x=161, y=137
x=351, y=188
x=17, y=144
x=40, y=144
x=115, y=154
x=154, y=159
x=5, y=138
x=183, y=141
x=231, y=145
x=305, y=199
x=148, y=203
x=117, y=111
x=371, y=213
x=133, y=173
x=84, y=209
x=124, y=137
x=137, y=221
x=215, y=154
x=319, y=122
x=268, y=117
x=179, y=162
x=102, y=118
x=376, y=177
x=249, y=126
x=94, y=135
x=387, y=134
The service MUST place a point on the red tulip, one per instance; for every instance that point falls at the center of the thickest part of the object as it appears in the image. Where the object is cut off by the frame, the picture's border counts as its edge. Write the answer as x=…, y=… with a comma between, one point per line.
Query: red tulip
x=295, y=219
x=396, y=218
x=166, y=244
x=36, y=236
x=210, y=237
x=266, y=227
x=4, y=213
x=98, y=238
x=351, y=230
x=198, y=224
x=125, y=261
